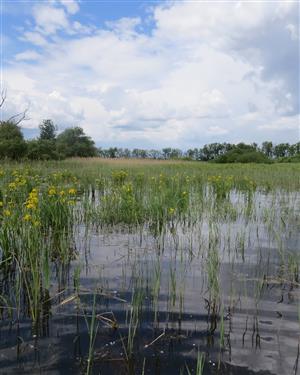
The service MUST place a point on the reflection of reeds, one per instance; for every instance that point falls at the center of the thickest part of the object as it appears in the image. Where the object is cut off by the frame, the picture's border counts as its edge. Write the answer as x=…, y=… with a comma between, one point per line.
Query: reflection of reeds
x=199, y=364
x=156, y=286
x=92, y=327
x=134, y=318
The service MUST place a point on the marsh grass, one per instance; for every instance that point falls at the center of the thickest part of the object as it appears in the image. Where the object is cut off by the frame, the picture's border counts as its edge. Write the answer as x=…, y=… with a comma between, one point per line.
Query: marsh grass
x=192, y=212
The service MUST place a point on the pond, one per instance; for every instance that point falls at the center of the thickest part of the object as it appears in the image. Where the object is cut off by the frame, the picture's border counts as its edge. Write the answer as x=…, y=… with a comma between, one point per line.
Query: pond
x=212, y=292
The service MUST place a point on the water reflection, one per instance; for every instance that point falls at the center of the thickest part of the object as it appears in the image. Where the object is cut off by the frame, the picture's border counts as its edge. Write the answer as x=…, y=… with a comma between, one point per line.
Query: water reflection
x=225, y=289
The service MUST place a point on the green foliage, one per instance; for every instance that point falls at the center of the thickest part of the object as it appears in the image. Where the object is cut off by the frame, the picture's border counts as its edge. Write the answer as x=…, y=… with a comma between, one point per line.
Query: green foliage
x=73, y=142
x=281, y=150
x=290, y=159
x=243, y=154
x=42, y=149
x=47, y=130
x=267, y=148
x=12, y=144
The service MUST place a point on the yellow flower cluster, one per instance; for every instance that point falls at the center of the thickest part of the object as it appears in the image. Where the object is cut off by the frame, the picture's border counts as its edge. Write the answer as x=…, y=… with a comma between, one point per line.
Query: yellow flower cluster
x=27, y=217
x=24, y=195
x=12, y=186
x=72, y=191
x=220, y=179
x=7, y=213
x=30, y=219
x=19, y=180
x=60, y=194
x=32, y=200
x=51, y=191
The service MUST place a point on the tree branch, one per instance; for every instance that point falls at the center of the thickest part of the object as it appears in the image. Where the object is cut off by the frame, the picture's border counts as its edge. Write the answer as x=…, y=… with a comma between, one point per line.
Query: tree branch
x=19, y=117
x=3, y=97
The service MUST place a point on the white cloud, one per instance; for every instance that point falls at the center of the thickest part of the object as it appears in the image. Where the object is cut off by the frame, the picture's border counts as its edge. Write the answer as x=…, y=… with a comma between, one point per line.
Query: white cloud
x=50, y=19
x=217, y=130
x=27, y=56
x=71, y=6
x=124, y=27
x=187, y=82
x=283, y=124
x=34, y=38
x=293, y=30
x=78, y=28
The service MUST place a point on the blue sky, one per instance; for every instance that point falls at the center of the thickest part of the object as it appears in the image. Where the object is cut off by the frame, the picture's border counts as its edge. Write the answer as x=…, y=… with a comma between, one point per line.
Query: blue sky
x=155, y=74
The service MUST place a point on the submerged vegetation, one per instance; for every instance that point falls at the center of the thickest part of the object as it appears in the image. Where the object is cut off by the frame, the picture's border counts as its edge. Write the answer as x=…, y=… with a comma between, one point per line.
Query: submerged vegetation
x=149, y=267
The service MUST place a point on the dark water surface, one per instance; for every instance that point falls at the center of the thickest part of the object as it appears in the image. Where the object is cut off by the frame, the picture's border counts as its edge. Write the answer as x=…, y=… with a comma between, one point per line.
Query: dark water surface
x=246, y=321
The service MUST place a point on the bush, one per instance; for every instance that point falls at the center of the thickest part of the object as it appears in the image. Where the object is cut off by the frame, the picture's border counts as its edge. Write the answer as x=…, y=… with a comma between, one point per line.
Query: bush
x=289, y=159
x=42, y=149
x=12, y=144
x=243, y=156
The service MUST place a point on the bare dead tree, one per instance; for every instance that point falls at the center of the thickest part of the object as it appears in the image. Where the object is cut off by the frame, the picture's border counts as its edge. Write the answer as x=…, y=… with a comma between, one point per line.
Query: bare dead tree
x=3, y=97
x=17, y=118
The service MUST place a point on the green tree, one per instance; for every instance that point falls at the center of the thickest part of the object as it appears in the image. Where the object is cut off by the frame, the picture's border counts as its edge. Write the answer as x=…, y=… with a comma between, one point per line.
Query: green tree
x=281, y=150
x=267, y=148
x=42, y=149
x=166, y=152
x=73, y=142
x=112, y=152
x=243, y=154
x=12, y=143
x=47, y=130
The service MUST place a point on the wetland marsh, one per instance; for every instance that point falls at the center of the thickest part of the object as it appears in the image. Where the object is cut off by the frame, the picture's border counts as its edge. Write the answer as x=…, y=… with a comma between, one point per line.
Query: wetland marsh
x=149, y=267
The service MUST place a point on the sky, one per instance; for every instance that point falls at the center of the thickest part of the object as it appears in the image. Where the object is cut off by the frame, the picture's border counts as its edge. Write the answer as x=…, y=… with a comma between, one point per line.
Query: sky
x=154, y=74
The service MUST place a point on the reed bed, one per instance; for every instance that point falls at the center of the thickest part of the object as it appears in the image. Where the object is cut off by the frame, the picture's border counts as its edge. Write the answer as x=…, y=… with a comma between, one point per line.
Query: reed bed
x=182, y=215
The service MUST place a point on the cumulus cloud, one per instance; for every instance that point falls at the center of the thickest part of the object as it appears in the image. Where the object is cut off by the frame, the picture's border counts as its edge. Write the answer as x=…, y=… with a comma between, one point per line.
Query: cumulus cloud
x=34, y=38
x=49, y=19
x=71, y=6
x=283, y=123
x=205, y=72
x=28, y=55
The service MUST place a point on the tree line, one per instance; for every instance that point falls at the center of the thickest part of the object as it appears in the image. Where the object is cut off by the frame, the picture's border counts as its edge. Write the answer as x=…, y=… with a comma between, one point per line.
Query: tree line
x=73, y=142
x=221, y=152
x=69, y=143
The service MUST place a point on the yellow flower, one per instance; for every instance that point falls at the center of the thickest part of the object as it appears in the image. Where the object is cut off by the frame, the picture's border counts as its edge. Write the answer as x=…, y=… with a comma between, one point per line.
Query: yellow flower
x=12, y=186
x=62, y=193
x=27, y=217
x=52, y=191
x=7, y=213
x=32, y=201
x=171, y=211
x=72, y=191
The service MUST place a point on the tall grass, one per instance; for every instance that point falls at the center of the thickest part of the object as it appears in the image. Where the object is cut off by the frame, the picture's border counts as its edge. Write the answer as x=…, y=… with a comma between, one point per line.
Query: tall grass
x=191, y=212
